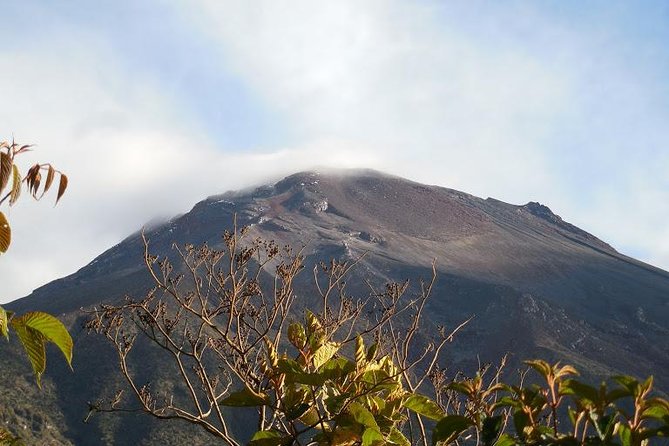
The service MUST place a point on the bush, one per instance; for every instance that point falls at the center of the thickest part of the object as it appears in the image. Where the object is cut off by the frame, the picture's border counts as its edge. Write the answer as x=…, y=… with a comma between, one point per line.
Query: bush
x=347, y=372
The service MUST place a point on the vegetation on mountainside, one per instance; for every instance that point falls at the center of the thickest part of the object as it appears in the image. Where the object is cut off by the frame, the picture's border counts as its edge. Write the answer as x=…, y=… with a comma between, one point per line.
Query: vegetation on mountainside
x=36, y=328
x=349, y=372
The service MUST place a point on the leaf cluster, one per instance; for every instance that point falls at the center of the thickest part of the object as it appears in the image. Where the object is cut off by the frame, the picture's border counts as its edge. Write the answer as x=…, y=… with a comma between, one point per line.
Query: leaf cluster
x=33, y=181
x=33, y=329
x=562, y=410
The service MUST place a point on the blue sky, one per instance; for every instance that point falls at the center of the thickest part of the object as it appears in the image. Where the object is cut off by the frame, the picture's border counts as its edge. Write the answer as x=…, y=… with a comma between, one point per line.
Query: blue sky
x=150, y=106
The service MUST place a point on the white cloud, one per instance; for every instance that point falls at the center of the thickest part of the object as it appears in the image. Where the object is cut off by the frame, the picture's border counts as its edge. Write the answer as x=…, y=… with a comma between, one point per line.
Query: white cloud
x=418, y=89
x=127, y=151
x=512, y=103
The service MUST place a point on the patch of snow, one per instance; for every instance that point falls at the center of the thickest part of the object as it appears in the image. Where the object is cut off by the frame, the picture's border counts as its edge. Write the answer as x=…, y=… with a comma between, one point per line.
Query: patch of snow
x=321, y=206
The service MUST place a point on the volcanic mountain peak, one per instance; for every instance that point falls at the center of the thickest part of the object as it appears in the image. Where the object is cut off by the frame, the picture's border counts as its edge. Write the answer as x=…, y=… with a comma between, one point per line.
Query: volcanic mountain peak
x=537, y=285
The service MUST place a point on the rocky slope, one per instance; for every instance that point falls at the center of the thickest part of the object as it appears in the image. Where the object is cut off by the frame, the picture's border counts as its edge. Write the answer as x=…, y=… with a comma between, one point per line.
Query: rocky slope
x=535, y=285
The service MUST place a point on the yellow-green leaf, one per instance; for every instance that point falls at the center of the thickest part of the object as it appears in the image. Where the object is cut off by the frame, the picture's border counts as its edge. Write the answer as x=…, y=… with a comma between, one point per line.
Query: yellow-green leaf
x=5, y=169
x=5, y=233
x=51, y=329
x=8, y=439
x=424, y=406
x=33, y=343
x=362, y=415
x=245, y=398
x=372, y=437
x=325, y=353
x=397, y=438
x=16, y=186
x=359, y=351
x=3, y=323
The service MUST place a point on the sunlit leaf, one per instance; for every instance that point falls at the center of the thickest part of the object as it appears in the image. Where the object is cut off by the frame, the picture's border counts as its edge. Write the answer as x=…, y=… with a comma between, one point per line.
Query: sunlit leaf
x=359, y=351
x=245, y=398
x=324, y=353
x=269, y=438
x=36, y=182
x=16, y=186
x=506, y=440
x=5, y=170
x=397, y=438
x=8, y=439
x=424, y=406
x=5, y=233
x=49, y=178
x=3, y=323
x=51, y=329
x=372, y=437
x=33, y=343
x=61, y=187
x=362, y=415
x=540, y=366
x=297, y=335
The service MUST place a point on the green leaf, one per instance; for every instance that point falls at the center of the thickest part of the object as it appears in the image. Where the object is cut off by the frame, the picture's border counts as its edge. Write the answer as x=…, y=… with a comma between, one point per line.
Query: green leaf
x=334, y=404
x=313, y=324
x=377, y=378
x=4, y=329
x=520, y=421
x=449, y=428
x=33, y=344
x=371, y=351
x=296, y=411
x=325, y=353
x=269, y=438
x=540, y=366
x=627, y=382
x=295, y=374
x=625, y=435
x=574, y=387
x=311, y=417
x=372, y=437
x=51, y=330
x=362, y=415
x=297, y=335
x=397, y=438
x=359, y=351
x=491, y=428
x=424, y=406
x=506, y=440
x=245, y=398
x=658, y=409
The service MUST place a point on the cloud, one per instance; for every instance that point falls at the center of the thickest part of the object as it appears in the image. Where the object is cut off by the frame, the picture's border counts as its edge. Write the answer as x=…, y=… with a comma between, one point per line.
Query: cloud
x=147, y=118
x=520, y=103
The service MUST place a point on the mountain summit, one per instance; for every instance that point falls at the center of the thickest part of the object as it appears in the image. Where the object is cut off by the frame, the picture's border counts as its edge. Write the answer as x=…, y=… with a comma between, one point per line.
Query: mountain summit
x=535, y=285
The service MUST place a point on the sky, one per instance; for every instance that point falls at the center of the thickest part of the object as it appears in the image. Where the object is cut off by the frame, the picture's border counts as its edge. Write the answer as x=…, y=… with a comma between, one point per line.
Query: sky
x=151, y=106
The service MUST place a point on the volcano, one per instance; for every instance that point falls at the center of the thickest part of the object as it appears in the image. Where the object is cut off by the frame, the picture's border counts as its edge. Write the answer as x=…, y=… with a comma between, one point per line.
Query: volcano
x=533, y=285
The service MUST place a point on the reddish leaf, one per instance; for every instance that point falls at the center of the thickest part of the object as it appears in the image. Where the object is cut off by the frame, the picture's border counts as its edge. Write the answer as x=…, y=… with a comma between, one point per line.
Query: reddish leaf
x=61, y=187
x=37, y=179
x=49, y=178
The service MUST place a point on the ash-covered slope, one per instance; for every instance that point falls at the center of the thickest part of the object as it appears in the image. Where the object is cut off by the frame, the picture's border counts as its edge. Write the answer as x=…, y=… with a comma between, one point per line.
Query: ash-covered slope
x=535, y=284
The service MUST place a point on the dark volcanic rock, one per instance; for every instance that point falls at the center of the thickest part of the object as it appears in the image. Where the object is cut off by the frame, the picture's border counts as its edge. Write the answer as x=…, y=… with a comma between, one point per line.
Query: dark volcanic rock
x=535, y=284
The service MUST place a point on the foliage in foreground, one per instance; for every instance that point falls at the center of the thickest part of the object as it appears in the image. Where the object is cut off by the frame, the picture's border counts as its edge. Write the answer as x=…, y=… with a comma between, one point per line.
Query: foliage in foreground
x=228, y=327
x=36, y=328
x=560, y=411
